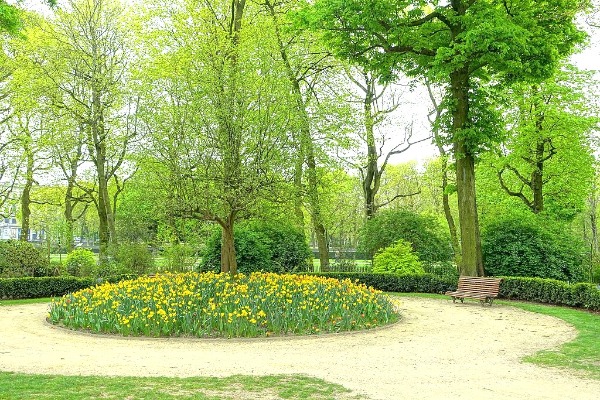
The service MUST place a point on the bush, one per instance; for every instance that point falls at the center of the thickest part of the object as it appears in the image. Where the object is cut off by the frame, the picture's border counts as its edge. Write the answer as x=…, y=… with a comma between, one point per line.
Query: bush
x=529, y=247
x=80, y=262
x=397, y=259
x=407, y=283
x=19, y=259
x=582, y=295
x=428, y=239
x=444, y=269
x=55, y=286
x=131, y=258
x=261, y=246
x=178, y=258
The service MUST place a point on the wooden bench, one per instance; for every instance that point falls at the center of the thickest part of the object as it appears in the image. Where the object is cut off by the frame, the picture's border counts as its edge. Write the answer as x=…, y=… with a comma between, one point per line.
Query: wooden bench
x=473, y=287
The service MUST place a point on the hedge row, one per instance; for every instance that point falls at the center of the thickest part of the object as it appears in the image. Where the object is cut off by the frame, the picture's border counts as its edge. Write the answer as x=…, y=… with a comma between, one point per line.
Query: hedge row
x=581, y=295
x=53, y=286
x=408, y=283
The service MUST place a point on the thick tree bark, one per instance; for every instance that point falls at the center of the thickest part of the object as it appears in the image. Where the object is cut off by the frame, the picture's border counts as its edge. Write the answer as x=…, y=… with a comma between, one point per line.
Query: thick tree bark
x=472, y=262
x=228, y=256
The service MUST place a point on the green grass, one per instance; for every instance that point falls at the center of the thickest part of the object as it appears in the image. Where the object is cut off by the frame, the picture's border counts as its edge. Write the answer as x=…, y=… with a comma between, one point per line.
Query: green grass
x=24, y=301
x=583, y=353
x=292, y=387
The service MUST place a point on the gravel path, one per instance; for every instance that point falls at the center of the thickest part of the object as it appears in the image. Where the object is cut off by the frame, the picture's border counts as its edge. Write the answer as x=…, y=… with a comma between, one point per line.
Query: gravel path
x=439, y=350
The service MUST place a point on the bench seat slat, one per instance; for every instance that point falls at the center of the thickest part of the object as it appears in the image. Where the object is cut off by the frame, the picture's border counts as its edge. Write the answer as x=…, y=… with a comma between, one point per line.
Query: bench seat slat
x=481, y=288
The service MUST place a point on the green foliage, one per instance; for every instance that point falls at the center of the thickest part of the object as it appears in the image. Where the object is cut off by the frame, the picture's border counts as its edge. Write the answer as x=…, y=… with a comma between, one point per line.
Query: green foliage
x=19, y=259
x=583, y=295
x=428, y=239
x=31, y=288
x=178, y=257
x=52, y=286
x=406, y=283
x=132, y=258
x=531, y=247
x=209, y=304
x=442, y=269
x=397, y=259
x=56, y=387
x=80, y=262
x=261, y=246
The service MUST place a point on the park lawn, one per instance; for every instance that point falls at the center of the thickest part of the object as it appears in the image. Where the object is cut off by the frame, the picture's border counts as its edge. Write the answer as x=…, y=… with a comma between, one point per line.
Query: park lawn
x=292, y=387
x=581, y=354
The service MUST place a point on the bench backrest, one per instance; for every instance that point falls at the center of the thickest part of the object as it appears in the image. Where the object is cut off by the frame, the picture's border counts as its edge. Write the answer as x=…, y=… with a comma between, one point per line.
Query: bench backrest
x=478, y=284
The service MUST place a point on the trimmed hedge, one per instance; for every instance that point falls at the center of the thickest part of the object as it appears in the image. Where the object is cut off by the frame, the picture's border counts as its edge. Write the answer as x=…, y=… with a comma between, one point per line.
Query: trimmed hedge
x=54, y=286
x=407, y=283
x=550, y=291
x=580, y=295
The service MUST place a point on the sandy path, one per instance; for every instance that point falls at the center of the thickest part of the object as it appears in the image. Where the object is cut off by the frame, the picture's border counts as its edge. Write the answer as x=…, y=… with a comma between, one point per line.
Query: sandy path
x=439, y=350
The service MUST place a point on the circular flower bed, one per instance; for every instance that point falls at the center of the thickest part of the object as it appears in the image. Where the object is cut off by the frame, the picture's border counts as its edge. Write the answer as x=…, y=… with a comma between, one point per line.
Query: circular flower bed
x=209, y=304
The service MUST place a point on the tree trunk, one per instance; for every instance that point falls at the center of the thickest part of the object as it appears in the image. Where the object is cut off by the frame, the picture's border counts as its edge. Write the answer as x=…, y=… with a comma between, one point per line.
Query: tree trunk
x=298, y=187
x=447, y=211
x=26, y=195
x=103, y=203
x=228, y=256
x=372, y=175
x=471, y=262
x=307, y=149
x=537, y=178
x=315, y=206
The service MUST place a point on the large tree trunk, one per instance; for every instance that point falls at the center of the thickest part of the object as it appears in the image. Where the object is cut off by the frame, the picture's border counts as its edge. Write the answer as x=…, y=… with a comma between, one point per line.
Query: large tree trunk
x=228, y=256
x=472, y=262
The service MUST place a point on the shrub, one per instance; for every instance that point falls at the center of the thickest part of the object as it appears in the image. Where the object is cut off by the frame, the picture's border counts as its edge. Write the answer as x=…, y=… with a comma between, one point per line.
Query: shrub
x=32, y=288
x=19, y=259
x=178, y=257
x=406, y=283
x=261, y=246
x=397, y=259
x=530, y=247
x=80, y=262
x=211, y=304
x=428, y=239
x=583, y=295
x=131, y=258
x=444, y=269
